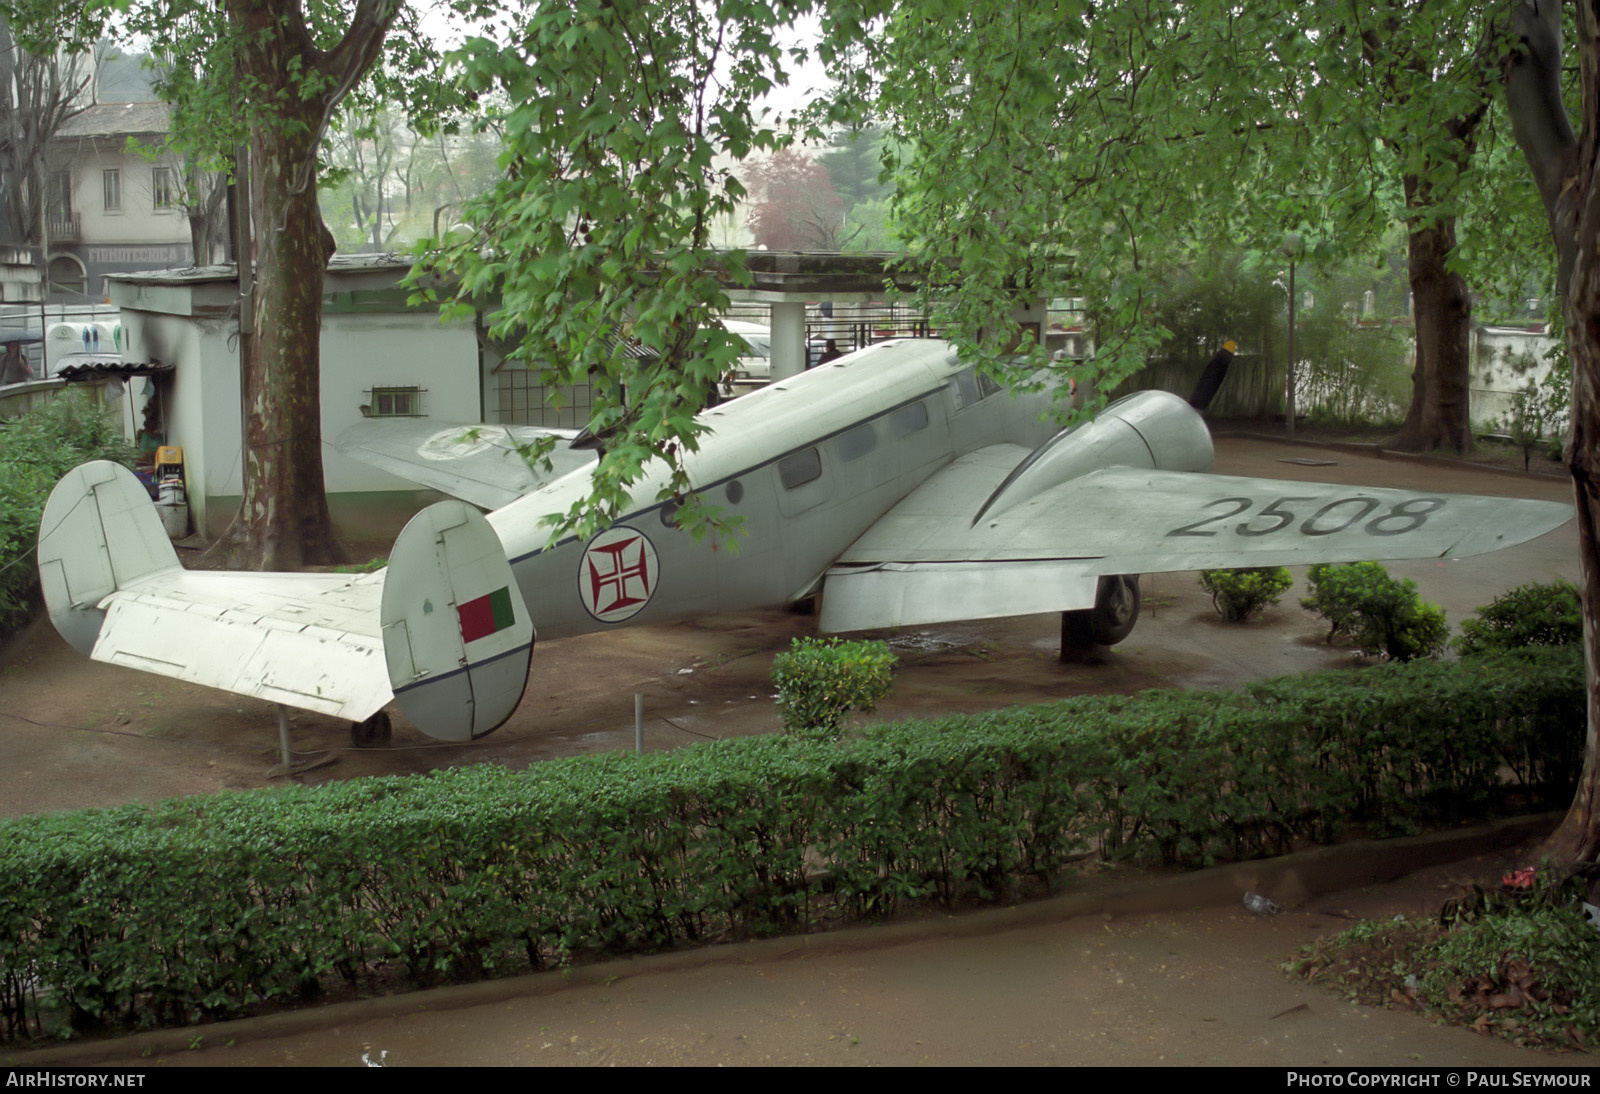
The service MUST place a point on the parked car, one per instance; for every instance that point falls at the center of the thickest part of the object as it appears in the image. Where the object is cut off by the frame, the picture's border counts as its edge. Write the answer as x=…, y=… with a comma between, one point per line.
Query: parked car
x=756, y=364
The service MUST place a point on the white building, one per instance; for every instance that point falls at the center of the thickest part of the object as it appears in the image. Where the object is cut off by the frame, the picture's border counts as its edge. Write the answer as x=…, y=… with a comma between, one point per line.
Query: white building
x=378, y=353
x=112, y=210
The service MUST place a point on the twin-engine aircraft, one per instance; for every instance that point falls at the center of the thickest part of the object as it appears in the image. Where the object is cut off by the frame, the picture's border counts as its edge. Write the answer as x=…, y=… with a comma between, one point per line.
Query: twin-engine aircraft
x=898, y=483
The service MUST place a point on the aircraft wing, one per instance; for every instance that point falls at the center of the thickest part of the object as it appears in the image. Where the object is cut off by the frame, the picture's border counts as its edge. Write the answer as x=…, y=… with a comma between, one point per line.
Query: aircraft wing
x=933, y=558
x=476, y=463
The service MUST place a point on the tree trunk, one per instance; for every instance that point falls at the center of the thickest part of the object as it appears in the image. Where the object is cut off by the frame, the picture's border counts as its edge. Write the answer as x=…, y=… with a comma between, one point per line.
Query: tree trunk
x=1442, y=307
x=1563, y=165
x=1578, y=837
x=285, y=501
x=283, y=522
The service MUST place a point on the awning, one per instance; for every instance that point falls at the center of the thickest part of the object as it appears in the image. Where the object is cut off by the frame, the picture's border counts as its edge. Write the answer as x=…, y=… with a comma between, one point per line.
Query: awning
x=111, y=370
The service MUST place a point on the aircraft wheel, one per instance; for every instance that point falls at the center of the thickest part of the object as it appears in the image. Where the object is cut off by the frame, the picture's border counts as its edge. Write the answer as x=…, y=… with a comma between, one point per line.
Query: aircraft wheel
x=372, y=733
x=1116, y=608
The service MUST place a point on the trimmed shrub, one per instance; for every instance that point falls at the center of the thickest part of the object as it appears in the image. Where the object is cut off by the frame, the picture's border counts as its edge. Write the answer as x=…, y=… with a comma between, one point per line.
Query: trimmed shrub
x=1379, y=614
x=821, y=680
x=1239, y=594
x=1535, y=614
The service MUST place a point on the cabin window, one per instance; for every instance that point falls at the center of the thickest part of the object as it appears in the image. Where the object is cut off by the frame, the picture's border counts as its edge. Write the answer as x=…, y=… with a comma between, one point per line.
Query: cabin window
x=909, y=419
x=394, y=402
x=802, y=467
x=735, y=492
x=669, y=514
x=857, y=442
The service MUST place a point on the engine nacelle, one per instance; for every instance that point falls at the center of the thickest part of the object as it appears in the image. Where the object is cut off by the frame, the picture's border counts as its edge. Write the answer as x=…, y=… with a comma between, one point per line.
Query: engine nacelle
x=1152, y=429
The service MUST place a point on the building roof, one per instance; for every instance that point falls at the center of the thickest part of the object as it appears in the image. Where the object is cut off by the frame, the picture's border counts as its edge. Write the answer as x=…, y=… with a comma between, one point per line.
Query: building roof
x=115, y=120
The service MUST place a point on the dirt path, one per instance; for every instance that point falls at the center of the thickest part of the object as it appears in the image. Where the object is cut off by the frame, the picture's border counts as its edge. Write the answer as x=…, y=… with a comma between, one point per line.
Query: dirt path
x=1195, y=987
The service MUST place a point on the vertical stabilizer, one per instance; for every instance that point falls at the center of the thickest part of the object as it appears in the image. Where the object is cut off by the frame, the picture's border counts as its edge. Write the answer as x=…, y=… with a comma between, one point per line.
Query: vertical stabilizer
x=99, y=533
x=456, y=634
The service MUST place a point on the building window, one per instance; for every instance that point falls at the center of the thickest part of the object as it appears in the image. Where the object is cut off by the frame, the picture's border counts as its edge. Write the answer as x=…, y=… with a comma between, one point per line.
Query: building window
x=61, y=193
x=395, y=402
x=161, y=189
x=113, y=185
x=68, y=279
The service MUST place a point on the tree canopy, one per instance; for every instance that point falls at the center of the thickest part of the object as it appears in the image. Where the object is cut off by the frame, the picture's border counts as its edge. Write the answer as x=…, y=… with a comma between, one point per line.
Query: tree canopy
x=624, y=125
x=1037, y=150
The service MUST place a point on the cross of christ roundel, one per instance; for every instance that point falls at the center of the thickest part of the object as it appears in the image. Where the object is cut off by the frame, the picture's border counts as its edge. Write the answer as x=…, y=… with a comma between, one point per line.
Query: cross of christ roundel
x=618, y=574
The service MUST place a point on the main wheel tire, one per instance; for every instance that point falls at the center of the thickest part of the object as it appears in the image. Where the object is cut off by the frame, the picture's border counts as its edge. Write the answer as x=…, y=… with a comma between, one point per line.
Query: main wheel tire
x=372, y=733
x=1116, y=608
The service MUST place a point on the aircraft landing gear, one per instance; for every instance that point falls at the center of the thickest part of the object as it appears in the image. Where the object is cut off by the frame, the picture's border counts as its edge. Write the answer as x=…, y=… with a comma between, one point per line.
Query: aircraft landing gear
x=1116, y=608
x=372, y=733
x=1115, y=611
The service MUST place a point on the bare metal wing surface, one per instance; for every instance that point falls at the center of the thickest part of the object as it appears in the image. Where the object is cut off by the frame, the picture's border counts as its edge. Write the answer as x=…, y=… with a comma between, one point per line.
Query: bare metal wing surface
x=481, y=464
x=922, y=562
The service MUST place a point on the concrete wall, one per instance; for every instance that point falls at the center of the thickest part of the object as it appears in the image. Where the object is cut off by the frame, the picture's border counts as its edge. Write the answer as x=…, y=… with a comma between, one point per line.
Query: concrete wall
x=1499, y=371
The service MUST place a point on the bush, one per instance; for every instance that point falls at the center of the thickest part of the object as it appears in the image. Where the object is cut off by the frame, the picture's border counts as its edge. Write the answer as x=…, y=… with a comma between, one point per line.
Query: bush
x=820, y=680
x=36, y=449
x=1378, y=613
x=1239, y=594
x=1535, y=614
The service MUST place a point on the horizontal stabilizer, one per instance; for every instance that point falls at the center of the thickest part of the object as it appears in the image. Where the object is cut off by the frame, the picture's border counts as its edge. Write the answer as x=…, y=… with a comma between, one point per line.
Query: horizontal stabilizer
x=305, y=640
x=116, y=592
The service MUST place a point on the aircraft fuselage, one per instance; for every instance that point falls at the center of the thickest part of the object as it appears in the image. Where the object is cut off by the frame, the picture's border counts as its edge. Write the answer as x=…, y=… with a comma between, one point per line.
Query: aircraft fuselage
x=805, y=465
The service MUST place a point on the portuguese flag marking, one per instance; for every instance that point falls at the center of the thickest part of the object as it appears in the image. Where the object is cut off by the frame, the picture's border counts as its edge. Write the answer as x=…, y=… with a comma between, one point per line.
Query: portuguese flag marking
x=486, y=615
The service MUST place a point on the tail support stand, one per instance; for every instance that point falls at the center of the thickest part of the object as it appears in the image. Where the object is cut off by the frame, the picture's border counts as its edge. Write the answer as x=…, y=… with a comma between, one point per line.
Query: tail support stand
x=285, y=765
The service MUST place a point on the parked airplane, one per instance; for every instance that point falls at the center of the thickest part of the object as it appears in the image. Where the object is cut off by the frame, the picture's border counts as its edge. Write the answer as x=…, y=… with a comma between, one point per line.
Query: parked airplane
x=898, y=483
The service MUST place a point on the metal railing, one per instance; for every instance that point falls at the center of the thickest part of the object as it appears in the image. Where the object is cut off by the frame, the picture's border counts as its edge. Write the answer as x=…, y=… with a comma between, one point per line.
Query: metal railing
x=65, y=228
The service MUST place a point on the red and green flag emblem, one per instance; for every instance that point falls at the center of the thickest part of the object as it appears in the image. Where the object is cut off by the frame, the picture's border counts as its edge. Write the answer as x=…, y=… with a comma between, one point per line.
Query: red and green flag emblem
x=486, y=615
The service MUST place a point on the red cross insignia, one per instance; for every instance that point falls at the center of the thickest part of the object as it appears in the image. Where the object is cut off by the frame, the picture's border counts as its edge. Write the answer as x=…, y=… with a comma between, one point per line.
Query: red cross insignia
x=618, y=574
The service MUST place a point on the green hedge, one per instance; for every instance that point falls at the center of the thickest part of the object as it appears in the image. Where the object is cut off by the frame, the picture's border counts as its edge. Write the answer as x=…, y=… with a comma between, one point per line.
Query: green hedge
x=36, y=449
x=203, y=907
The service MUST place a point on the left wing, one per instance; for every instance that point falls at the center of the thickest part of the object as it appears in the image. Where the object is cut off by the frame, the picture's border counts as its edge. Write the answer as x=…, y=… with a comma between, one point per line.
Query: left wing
x=934, y=557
